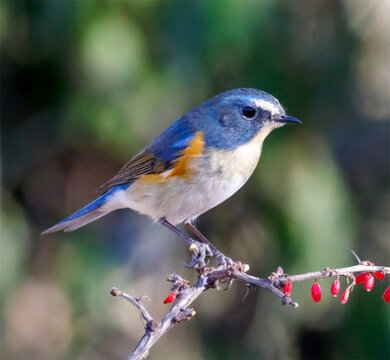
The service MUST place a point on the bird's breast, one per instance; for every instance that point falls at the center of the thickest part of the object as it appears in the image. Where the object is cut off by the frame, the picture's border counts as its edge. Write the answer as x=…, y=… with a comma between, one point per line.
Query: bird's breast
x=238, y=163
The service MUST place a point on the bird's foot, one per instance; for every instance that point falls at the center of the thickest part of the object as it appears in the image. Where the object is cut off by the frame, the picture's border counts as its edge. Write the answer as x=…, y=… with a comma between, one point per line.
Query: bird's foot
x=223, y=261
x=200, y=251
x=226, y=263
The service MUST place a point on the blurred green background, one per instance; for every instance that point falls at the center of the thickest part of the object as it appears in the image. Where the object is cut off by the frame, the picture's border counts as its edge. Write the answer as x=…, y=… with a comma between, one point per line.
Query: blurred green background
x=85, y=85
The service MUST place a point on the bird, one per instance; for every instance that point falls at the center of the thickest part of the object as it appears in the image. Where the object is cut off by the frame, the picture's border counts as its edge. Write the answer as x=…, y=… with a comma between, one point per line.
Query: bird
x=199, y=161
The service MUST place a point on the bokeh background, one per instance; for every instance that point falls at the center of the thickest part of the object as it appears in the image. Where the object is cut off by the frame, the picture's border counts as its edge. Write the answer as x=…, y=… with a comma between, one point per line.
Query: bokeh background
x=85, y=85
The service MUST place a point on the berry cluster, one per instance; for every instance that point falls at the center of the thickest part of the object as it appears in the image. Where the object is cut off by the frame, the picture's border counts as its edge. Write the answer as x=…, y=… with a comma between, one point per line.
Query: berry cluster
x=366, y=278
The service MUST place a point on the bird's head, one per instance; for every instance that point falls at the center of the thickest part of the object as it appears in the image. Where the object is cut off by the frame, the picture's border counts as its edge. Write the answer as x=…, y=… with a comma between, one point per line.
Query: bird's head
x=237, y=116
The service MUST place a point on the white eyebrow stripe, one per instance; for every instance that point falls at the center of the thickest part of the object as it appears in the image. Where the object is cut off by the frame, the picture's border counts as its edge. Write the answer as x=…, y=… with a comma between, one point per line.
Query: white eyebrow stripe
x=266, y=105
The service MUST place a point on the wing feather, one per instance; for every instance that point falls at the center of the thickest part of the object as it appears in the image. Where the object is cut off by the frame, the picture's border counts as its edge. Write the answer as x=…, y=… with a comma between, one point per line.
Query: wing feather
x=155, y=158
x=141, y=164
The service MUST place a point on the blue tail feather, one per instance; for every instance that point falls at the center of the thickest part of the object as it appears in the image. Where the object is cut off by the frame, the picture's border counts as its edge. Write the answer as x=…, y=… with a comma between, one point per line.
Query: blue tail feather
x=87, y=214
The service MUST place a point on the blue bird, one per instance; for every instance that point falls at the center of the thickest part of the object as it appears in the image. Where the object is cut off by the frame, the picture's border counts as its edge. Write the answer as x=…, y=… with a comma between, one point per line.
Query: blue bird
x=201, y=160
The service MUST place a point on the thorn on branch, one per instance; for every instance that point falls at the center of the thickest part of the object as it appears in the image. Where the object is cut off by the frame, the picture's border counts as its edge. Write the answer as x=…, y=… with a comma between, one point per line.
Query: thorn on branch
x=357, y=257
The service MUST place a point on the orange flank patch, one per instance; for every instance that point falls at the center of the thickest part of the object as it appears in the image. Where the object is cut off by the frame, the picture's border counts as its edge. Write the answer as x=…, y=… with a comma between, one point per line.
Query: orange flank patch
x=182, y=164
x=148, y=179
x=194, y=148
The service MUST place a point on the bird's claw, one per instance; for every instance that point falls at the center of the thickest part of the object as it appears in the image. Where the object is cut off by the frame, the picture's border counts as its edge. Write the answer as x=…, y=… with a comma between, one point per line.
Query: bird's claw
x=199, y=253
x=229, y=284
x=224, y=261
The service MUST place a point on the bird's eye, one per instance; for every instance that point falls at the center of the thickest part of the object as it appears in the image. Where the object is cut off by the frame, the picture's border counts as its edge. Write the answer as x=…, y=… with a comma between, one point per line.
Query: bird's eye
x=249, y=112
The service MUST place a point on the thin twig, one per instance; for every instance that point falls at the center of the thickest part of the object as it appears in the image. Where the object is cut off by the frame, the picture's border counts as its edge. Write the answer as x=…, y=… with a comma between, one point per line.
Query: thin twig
x=147, y=319
x=347, y=271
x=266, y=284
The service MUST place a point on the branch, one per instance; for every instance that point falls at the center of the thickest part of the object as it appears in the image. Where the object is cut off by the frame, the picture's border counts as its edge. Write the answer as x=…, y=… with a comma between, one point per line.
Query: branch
x=183, y=294
x=178, y=313
x=149, y=323
x=346, y=272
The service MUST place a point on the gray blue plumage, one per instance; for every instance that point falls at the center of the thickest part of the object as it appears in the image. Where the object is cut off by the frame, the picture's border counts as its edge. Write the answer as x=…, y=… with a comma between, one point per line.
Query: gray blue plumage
x=199, y=161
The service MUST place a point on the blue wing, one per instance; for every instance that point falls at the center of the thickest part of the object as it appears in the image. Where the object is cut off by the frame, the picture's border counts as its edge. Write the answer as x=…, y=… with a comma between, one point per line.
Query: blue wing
x=171, y=142
x=157, y=157
x=154, y=159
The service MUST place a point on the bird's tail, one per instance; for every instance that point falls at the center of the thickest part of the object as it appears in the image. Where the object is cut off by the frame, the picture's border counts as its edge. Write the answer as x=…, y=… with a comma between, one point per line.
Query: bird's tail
x=91, y=212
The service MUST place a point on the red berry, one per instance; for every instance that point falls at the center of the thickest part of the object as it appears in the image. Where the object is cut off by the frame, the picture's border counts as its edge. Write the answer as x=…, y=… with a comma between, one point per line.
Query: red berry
x=359, y=278
x=369, y=282
x=380, y=275
x=335, y=288
x=345, y=296
x=316, y=292
x=386, y=295
x=170, y=298
x=287, y=288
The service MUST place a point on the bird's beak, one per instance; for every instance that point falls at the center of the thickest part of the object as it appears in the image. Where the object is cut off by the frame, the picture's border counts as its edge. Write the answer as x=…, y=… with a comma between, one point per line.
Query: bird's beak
x=284, y=119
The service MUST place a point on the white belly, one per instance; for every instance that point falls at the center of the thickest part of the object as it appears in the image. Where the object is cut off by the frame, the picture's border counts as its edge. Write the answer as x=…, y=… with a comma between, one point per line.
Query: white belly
x=215, y=176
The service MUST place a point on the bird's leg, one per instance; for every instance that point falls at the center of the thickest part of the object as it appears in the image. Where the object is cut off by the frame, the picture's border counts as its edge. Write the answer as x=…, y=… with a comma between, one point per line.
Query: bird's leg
x=201, y=237
x=222, y=260
x=163, y=221
x=200, y=251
